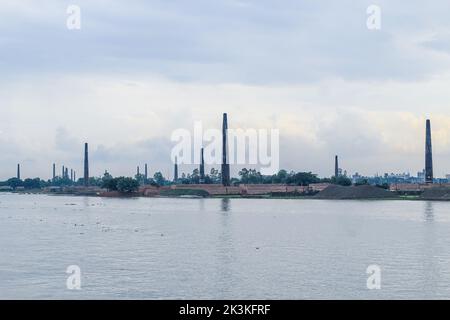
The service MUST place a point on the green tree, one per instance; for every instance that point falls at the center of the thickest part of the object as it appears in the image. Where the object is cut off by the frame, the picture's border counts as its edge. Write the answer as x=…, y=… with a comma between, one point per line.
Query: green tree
x=214, y=176
x=127, y=184
x=342, y=181
x=14, y=183
x=244, y=173
x=362, y=182
x=280, y=177
x=58, y=181
x=95, y=181
x=195, y=176
x=302, y=178
x=32, y=183
x=108, y=182
x=159, y=178
x=140, y=178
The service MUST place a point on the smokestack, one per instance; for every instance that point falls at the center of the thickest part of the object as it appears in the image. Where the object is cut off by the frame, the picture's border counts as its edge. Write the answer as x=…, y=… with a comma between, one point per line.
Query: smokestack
x=336, y=167
x=18, y=171
x=54, y=172
x=137, y=170
x=175, y=174
x=74, y=176
x=225, y=164
x=428, y=154
x=66, y=174
x=145, y=172
x=86, y=165
x=202, y=167
x=63, y=172
x=71, y=174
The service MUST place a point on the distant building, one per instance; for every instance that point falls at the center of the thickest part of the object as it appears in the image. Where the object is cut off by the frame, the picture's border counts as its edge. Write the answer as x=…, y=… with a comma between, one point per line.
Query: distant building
x=421, y=175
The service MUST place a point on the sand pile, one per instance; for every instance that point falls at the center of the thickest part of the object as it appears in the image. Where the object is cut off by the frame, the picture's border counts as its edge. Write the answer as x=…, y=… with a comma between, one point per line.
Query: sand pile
x=354, y=192
x=436, y=193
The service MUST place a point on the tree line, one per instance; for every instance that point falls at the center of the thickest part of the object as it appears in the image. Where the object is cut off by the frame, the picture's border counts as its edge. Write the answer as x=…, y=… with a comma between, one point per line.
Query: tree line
x=130, y=184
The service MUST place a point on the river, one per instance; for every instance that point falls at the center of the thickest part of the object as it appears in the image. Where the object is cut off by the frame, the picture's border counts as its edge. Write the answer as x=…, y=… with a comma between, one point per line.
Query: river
x=168, y=248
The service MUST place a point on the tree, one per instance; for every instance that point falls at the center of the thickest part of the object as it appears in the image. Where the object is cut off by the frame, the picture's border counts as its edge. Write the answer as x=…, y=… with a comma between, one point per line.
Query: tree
x=127, y=184
x=95, y=181
x=244, y=175
x=302, y=179
x=14, y=183
x=140, y=178
x=58, y=181
x=215, y=176
x=159, y=178
x=341, y=180
x=108, y=182
x=254, y=176
x=280, y=177
x=195, y=176
x=362, y=182
x=32, y=183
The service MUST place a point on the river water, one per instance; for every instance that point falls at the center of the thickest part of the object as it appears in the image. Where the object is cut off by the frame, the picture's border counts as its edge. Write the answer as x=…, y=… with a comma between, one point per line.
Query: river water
x=161, y=248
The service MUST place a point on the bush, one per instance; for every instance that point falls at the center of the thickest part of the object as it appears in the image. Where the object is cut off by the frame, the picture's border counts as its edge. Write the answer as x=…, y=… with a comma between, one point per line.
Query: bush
x=127, y=185
x=342, y=181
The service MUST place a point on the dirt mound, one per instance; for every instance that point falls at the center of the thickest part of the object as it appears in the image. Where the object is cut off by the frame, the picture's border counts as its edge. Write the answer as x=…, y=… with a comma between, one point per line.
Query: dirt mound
x=436, y=193
x=354, y=192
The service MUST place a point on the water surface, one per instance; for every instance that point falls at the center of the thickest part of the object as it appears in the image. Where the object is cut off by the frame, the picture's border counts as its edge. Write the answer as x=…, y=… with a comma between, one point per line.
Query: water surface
x=158, y=248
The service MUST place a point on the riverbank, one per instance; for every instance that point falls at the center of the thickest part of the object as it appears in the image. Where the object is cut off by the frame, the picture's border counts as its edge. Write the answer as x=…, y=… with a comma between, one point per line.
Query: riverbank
x=331, y=192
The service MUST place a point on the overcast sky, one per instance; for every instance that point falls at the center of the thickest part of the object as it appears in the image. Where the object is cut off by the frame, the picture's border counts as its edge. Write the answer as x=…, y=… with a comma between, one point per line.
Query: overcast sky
x=137, y=70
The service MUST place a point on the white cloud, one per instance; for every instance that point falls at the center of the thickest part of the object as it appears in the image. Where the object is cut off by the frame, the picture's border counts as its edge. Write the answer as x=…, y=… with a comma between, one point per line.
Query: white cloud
x=138, y=70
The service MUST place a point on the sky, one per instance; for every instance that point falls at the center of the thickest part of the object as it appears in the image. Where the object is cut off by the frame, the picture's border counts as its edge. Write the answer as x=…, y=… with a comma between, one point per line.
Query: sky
x=138, y=70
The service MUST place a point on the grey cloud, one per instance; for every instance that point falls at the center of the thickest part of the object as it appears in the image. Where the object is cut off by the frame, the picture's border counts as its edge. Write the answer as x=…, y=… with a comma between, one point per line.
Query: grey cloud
x=64, y=141
x=260, y=42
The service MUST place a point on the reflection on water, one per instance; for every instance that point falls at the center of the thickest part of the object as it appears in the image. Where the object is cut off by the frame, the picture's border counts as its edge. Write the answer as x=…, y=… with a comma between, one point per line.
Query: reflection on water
x=430, y=264
x=428, y=212
x=86, y=202
x=225, y=204
x=225, y=250
x=201, y=204
x=161, y=248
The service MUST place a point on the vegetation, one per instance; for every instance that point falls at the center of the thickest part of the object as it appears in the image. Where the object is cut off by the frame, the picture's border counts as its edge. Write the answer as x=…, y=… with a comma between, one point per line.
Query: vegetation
x=14, y=183
x=184, y=192
x=121, y=184
x=341, y=180
x=128, y=184
x=361, y=182
x=282, y=177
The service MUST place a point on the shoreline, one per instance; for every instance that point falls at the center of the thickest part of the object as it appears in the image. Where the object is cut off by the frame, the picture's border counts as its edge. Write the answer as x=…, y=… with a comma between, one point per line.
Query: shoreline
x=261, y=197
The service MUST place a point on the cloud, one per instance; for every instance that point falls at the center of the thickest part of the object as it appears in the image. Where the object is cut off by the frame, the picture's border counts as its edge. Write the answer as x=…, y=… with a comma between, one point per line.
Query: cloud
x=247, y=42
x=64, y=141
x=136, y=71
